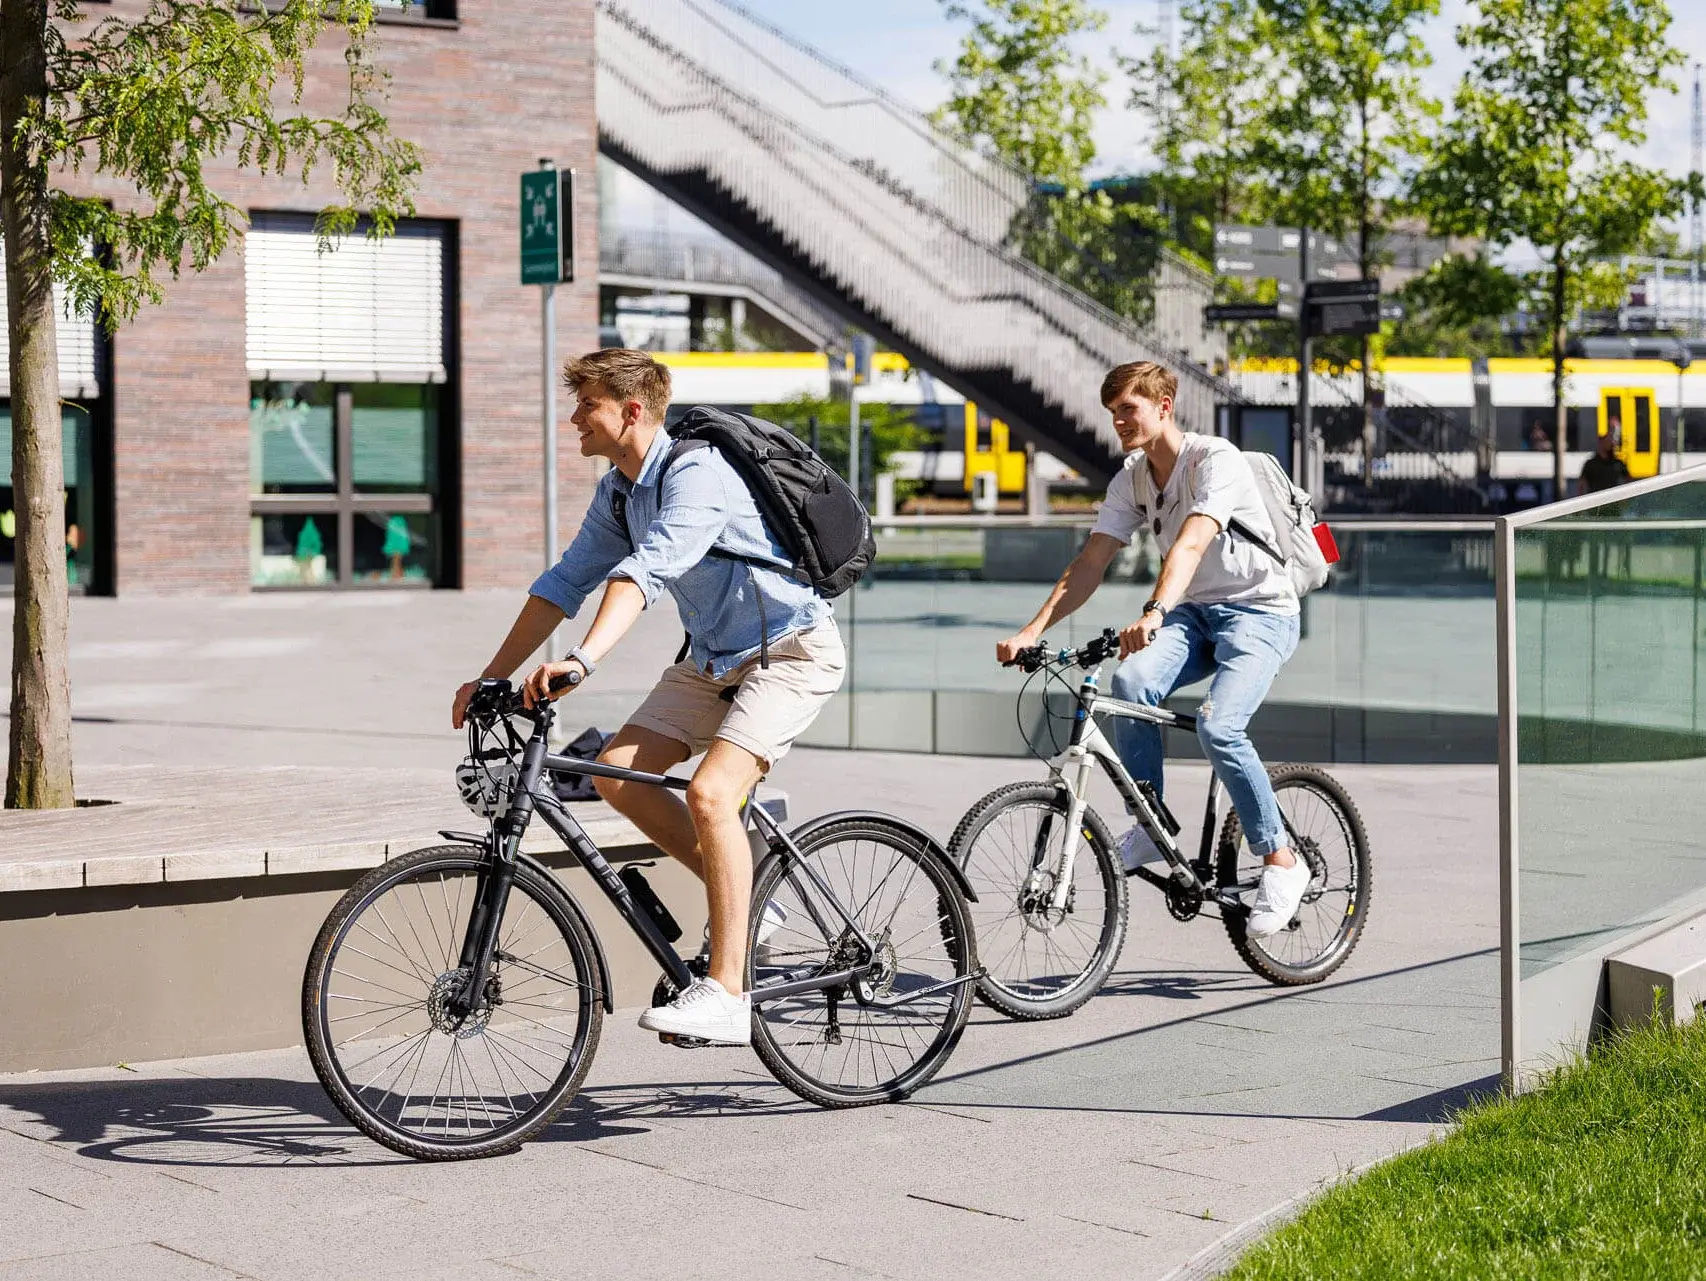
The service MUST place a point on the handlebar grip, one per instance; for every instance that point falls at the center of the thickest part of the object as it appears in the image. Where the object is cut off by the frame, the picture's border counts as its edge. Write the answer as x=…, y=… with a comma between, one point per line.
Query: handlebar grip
x=568, y=680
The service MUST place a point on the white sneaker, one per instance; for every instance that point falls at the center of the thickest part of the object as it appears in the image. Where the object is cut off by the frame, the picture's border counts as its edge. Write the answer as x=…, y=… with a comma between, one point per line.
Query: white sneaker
x=1138, y=849
x=1278, y=897
x=705, y=1010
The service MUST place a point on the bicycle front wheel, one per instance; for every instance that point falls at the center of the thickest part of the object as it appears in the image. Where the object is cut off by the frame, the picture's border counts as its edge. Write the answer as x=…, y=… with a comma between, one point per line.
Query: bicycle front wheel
x=379, y=1008
x=1041, y=961
x=1326, y=831
x=878, y=1038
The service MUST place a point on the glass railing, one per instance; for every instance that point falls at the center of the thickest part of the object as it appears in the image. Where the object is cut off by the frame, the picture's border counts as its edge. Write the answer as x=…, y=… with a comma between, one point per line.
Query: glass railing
x=1605, y=786
x=1395, y=664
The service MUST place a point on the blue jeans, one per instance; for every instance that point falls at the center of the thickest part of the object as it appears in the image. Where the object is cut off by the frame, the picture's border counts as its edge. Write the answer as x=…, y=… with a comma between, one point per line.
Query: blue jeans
x=1242, y=649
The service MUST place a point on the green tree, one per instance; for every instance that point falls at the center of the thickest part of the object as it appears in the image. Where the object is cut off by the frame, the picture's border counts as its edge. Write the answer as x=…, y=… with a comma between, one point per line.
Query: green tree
x=1018, y=88
x=1535, y=149
x=1344, y=133
x=1205, y=105
x=151, y=101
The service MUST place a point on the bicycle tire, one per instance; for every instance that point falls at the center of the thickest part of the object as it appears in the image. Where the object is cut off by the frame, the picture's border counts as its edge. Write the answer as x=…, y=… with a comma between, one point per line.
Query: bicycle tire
x=1035, y=997
x=1348, y=927
x=936, y=917
x=512, y=1049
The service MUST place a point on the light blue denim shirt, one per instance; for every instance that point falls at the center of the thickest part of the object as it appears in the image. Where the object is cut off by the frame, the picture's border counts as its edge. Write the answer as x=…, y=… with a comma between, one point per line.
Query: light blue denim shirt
x=702, y=503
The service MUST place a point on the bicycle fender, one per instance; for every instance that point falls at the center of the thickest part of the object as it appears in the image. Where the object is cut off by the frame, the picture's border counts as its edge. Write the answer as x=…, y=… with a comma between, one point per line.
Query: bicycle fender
x=905, y=830
x=597, y=943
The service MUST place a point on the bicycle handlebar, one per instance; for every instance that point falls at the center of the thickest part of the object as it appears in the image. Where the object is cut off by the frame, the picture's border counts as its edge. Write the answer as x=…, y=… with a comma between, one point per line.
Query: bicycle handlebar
x=494, y=698
x=1093, y=654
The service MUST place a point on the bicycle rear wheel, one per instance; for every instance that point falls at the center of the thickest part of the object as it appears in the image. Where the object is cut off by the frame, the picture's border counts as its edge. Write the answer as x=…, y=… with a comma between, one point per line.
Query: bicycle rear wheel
x=390, y=1050
x=1040, y=963
x=878, y=1039
x=1327, y=832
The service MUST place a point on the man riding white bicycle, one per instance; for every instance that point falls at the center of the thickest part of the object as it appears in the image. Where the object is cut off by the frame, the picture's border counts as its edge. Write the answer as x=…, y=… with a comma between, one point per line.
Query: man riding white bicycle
x=1223, y=609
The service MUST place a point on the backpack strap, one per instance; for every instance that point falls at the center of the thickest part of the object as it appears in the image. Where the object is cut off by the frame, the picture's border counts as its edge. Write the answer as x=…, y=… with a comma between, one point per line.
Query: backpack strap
x=1236, y=526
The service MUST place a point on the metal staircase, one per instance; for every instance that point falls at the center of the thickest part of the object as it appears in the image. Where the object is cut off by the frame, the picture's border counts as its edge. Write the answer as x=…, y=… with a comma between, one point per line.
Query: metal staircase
x=864, y=204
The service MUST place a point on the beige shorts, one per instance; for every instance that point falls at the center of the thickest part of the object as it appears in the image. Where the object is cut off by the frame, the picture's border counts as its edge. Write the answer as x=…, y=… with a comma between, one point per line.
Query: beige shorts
x=771, y=707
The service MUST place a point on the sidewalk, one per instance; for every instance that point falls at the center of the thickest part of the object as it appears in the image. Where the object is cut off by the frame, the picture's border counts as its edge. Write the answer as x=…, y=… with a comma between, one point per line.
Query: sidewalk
x=1187, y=1099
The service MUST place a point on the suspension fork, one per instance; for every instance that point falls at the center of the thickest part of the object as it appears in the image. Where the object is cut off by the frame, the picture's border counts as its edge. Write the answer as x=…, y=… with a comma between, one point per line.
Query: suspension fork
x=1075, y=771
x=485, y=918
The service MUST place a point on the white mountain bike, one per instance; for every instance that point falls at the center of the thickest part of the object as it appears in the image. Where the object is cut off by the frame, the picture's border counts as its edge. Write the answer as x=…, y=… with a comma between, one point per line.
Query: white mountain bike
x=1052, y=904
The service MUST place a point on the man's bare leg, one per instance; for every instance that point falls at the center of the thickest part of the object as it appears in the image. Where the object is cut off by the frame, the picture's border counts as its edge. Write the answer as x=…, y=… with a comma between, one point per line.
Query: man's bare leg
x=714, y=798
x=656, y=811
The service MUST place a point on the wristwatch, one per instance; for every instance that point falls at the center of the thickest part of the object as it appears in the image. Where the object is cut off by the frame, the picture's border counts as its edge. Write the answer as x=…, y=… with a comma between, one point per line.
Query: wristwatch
x=580, y=656
x=1155, y=606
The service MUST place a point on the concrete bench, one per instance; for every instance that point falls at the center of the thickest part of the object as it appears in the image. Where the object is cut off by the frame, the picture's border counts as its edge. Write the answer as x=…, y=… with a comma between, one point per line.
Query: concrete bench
x=176, y=920
x=1663, y=976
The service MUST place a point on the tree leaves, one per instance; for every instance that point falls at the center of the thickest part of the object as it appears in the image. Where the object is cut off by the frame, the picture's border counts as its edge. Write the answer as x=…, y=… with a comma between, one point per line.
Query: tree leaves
x=162, y=100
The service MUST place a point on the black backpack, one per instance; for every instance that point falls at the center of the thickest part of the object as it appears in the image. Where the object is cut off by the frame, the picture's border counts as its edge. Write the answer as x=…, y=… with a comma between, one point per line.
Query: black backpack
x=811, y=511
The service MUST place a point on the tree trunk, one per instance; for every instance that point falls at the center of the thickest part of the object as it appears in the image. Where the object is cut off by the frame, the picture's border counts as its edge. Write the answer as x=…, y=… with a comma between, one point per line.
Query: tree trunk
x=38, y=774
x=1560, y=411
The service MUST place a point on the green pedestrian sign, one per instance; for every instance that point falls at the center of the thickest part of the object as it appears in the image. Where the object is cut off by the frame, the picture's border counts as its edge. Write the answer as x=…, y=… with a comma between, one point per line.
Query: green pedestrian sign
x=547, y=226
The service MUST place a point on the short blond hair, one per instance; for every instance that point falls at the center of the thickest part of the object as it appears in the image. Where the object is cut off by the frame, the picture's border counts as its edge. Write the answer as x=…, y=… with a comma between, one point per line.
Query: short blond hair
x=627, y=374
x=1145, y=377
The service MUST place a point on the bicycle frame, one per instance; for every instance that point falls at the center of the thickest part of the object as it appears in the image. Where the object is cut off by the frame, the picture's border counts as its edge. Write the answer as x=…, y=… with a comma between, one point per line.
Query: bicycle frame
x=504, y=848
x=1090, y=745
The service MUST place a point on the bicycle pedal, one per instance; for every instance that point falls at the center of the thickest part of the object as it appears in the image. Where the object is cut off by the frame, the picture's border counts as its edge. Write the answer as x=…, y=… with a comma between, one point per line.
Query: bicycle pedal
x=683, y=1042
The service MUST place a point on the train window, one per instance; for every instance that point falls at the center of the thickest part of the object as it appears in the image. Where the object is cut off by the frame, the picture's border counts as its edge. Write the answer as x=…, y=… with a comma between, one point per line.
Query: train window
x=984, y=431
x=1643, y=424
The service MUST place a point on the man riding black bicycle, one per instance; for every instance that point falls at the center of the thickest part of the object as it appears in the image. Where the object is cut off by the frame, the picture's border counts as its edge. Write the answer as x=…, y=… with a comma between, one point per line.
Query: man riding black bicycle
x=764, y=653
x=1224, y=609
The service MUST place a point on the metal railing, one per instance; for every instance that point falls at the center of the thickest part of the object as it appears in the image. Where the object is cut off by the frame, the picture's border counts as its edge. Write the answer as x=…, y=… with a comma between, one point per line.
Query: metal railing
x=891, y=212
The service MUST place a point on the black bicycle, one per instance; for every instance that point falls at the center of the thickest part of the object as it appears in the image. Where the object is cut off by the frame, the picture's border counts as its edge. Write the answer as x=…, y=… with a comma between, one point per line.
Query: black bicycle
x=1052, y=897
x=453, y=999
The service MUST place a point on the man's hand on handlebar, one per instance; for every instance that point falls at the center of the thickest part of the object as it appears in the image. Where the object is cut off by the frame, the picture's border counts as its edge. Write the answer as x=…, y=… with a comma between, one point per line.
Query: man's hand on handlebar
x=551, y=680
x=1139, y=635
x=1007, y=652
x=459, y=704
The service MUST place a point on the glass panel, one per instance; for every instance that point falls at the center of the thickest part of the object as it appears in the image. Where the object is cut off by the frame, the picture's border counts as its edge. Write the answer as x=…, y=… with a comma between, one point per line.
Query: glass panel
x=395, y=438
x=292, y=447
x=1396, y=660
x=76, y=442
x=1611, y=707
x=294, y=551
x=395, y=548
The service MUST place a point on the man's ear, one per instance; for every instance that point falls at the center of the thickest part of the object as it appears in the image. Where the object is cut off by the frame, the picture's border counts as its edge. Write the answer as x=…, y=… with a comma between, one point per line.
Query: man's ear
x=632, y=412
x=1166, y=406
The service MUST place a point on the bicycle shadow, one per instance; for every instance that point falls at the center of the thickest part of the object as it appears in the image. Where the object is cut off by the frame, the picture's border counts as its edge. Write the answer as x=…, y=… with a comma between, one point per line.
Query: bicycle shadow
x=272, y=1122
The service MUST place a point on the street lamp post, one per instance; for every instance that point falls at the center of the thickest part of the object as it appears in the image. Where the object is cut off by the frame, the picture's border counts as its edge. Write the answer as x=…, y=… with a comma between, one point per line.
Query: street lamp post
x=1682, y=360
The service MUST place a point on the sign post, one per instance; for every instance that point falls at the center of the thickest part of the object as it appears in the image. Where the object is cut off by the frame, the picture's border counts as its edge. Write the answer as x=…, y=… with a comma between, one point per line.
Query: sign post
x=547, y=259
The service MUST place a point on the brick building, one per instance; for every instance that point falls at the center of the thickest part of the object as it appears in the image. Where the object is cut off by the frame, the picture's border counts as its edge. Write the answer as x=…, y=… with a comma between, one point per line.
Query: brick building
x=368, y=417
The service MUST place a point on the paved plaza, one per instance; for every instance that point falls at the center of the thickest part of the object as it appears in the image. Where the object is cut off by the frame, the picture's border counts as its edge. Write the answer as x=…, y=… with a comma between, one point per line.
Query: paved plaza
x=1177, y=1110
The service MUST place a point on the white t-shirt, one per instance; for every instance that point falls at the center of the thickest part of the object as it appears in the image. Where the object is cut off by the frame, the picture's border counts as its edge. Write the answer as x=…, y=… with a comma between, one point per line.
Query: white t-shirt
x=1210, y=479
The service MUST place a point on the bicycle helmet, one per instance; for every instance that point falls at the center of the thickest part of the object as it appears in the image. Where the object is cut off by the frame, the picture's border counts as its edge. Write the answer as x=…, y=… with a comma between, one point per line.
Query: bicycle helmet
x=486, y=787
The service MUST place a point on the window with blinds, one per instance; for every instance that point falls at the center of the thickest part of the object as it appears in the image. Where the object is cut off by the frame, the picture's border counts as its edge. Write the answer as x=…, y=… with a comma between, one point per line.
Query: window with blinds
x=76, y=336
x=366, y=311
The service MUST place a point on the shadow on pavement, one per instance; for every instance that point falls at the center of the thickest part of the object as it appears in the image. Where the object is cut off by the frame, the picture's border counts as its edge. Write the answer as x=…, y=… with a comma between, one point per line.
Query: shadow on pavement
x=271, y=1122
x=1442, y=1105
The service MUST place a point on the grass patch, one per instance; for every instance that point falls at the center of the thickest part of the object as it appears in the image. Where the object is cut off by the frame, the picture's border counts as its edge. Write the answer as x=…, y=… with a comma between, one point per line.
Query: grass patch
x=1599, y=1173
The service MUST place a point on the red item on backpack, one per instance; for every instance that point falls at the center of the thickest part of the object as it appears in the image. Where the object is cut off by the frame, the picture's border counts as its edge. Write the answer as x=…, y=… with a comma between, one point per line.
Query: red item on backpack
x=1324, y=540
